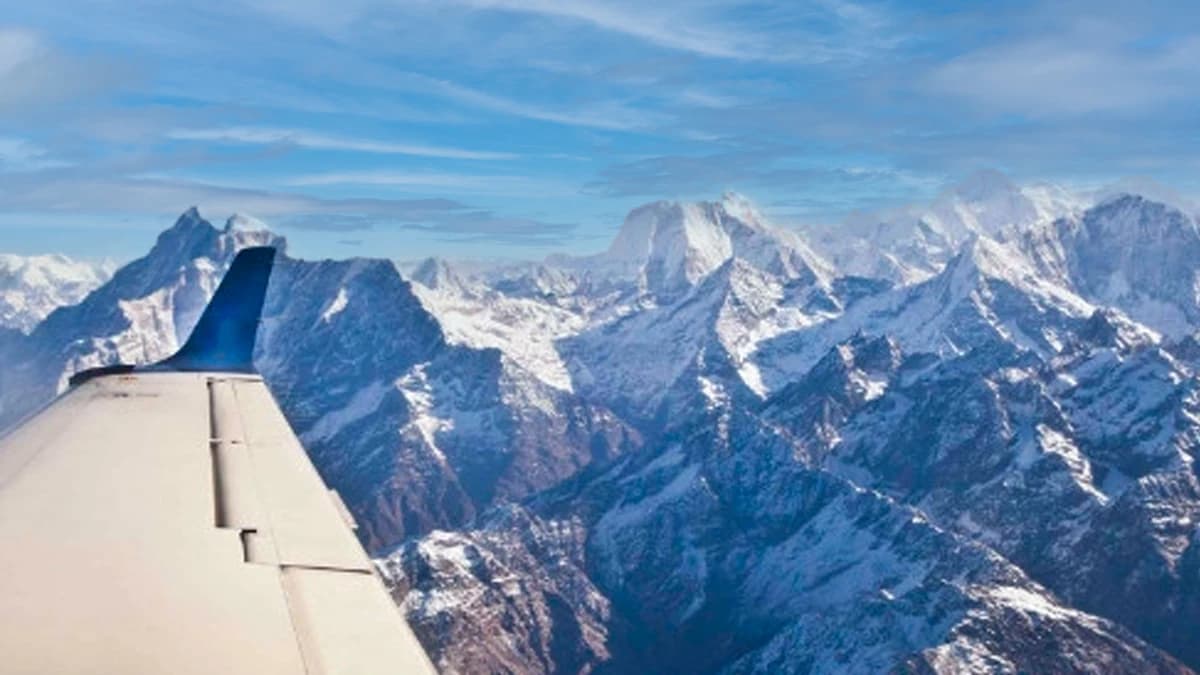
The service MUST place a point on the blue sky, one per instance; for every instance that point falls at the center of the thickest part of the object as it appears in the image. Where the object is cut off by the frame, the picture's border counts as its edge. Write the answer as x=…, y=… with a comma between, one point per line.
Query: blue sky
x=512, y=128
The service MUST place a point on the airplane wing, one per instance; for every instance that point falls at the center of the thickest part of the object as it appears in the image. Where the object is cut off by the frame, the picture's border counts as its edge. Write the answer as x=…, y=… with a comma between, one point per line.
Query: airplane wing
x=165, y=519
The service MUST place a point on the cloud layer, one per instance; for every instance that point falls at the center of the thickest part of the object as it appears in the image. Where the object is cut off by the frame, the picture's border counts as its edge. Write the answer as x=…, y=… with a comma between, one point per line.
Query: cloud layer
x=534, y=124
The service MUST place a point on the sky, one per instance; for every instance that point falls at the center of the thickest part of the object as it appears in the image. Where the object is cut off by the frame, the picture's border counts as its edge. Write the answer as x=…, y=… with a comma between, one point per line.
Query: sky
x=515, y=128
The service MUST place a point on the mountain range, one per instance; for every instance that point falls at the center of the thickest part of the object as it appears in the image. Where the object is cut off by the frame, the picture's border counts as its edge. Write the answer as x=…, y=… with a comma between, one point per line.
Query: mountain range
x=958, y=437
x=33, y=286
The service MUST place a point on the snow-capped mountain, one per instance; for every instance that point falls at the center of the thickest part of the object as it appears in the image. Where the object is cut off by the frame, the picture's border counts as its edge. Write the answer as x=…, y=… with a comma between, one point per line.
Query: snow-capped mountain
x=139, y=315
x=414, y=432
x=997, y=403
x=1130, y=253
x=911, y=244
x=667, y=248
x=33, y=286
x=961, y=440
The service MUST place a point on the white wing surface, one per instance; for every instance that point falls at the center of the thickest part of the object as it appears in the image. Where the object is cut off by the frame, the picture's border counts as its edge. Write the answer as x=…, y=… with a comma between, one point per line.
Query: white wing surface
x=167, y=520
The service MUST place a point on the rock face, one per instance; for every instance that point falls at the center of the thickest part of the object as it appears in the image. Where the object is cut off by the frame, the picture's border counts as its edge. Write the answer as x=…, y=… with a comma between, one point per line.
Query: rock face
x=968, y=444
x=515, y=570
x=413, y=431
x=1133, y=254
x=989, y=470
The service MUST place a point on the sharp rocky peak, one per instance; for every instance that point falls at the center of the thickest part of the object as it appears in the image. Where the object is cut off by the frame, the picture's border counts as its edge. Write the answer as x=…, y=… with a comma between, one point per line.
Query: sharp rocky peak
x=193, y=236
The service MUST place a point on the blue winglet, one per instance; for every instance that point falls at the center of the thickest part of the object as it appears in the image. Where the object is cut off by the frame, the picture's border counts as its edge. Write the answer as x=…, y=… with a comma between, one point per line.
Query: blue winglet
x=223, y=339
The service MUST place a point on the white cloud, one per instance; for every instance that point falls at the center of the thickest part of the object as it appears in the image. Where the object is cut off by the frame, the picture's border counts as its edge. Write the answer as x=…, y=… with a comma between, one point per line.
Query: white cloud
x=80, y=193
x=604, y=115
x=672, y=32
x=17, y=46
x=18, y=151
x=317, y=141
x=838, y=28
x=1070, y=75
x=460, y=183
x=33, y=73
x=18, y=154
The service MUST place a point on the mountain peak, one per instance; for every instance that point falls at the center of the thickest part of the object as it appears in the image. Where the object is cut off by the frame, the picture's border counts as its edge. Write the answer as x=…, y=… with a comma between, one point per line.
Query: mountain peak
x=672, y=246
x=1138, y=220
x=190, y=220
x=1148, y=190
x=436, y=273
x=191, y=232
x=739, y=206
x=1135, y=254
x=241, y=222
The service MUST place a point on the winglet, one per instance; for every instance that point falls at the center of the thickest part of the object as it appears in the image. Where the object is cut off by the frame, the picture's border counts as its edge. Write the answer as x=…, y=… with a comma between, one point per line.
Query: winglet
x=223, y=339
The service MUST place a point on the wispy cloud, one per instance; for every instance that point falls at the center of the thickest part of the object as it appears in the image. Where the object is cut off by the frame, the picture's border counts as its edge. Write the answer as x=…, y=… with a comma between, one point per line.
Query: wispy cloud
x=16, y=47
x=706, y=99
x=35, y=74
x=1069, y=74
x=317, y=141
x=833, y=29
x=672, y=32
x=18, y=154
x=455, y=182
x=456, y=224
x=814, y=105
x=816, y=189
x=78, y=192
x=603, y=115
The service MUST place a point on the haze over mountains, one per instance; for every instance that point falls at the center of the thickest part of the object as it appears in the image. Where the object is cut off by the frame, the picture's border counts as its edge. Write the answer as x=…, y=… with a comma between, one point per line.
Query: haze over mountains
x=962, y=437
x=33, y=286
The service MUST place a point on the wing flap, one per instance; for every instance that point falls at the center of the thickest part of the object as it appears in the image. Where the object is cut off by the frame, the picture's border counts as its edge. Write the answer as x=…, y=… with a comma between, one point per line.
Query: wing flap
x=325, y=604
x=111, y=561
x=167, y=520
x=305, y=523
x=115, y=560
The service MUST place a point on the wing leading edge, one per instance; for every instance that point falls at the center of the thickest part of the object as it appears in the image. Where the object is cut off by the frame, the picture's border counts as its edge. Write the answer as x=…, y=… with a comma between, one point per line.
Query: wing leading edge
x=167, y=520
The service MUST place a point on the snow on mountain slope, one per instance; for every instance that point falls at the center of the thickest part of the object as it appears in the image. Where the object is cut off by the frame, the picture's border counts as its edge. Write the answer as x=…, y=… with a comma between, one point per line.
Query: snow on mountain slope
x=415, y=429
x=1036, y=452
x=719, y=552
x=669, y=247
x=911, y=244
x=140, y=315
x=525, y=329
x=692, y=270
x=514, y=569
x=992, y=398
x=632, y=362
x=988, y=293
x=415, y=433
x=1040, y=460
x=33, y=286
x=1130, y=253
x=726, y=458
